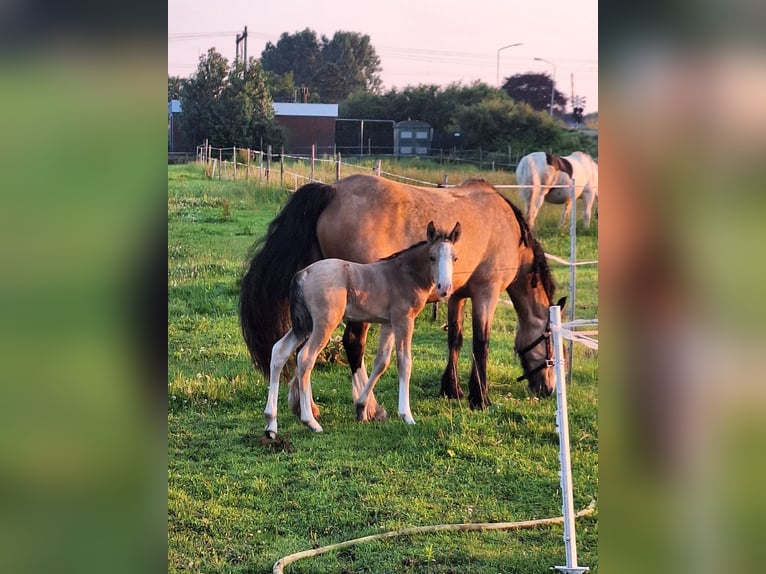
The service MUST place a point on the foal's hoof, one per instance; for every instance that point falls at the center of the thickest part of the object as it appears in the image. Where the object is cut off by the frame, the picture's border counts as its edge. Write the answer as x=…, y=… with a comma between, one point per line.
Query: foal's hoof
x=271, y=435
x=313, y=425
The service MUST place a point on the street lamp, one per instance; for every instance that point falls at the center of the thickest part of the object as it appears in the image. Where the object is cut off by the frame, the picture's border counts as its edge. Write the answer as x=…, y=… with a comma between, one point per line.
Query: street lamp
x=553, y=80
x=498, y=59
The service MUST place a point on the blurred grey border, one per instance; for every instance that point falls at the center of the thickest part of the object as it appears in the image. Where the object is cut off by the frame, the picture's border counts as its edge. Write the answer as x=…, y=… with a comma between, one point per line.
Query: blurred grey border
x=83, y=292
x=682, y=393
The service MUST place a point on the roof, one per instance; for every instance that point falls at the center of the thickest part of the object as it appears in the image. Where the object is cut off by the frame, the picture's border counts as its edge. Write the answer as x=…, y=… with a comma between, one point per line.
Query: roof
x=311, y=110
x=174, y=107
x=412, y=124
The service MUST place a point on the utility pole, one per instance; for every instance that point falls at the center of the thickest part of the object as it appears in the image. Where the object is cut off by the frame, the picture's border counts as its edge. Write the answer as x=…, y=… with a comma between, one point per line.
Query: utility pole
x=242, y=38
x=571, y=76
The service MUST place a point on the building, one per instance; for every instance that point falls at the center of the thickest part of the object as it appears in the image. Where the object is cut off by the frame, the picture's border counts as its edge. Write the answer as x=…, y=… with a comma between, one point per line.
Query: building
x=307, y=125
x=412, y=137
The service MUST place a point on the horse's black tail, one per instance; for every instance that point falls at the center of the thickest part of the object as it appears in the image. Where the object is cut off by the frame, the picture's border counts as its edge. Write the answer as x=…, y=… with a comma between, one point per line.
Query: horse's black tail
x=289, y=245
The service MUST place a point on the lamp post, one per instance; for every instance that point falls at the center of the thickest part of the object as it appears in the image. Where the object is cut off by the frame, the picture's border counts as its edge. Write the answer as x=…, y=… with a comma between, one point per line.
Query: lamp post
x=498, y=59
x=553, y=80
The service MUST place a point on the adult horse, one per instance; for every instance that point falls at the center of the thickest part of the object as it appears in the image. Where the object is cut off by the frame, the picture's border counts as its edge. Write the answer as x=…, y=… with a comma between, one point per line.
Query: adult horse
x=364, y=218
x=548, y=177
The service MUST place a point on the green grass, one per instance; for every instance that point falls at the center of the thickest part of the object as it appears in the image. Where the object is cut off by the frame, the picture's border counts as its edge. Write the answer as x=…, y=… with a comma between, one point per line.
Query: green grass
x=237, y=504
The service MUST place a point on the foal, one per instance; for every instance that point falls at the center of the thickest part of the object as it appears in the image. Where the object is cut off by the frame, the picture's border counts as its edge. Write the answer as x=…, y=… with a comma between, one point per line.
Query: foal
x=392, y=292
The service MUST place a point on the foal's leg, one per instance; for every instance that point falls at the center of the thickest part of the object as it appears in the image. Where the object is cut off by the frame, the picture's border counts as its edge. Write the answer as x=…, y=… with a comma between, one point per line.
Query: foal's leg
x=307, y=356
x=354, y=342
x=379, y=366
x=280, y=353
x=403, y=334
x=450, y=383
x=483, y=309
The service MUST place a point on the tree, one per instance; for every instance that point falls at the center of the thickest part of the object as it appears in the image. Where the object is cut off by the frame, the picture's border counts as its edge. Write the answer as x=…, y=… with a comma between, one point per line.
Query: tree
x=498, y=121
x=349, y=64
x=281, y=86
x=228, y=105
x=175, y=85
x=535, y=90
x=299, y=53
x=332, y=69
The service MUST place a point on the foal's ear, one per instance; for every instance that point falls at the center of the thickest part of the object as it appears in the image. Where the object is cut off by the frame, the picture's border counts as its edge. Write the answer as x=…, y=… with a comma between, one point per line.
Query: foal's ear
x=431, y=231
x=561, y=302
x=454, y=235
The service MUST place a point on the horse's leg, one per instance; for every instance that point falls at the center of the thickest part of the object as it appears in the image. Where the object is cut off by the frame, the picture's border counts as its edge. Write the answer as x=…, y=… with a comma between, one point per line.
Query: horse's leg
x=483, y=310
x=379, y=366
x=450, y=380
x=354, y=342
x=403, y=335
x=536, y=199
x=588, y=198
x=565, y=214
x=280, y=353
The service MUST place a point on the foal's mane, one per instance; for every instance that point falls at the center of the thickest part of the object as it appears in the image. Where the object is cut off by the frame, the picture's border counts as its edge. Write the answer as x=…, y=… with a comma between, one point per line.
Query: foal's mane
x=406, y=249
x=539, y=270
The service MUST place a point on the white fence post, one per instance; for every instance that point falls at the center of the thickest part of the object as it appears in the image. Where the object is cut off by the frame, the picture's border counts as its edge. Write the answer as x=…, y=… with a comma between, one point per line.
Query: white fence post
x=562, y=422
x=572, y=273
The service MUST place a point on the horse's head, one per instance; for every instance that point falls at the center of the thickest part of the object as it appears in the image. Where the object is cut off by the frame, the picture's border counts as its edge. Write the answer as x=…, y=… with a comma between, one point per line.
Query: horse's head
x=441, y=252
x=536, y=357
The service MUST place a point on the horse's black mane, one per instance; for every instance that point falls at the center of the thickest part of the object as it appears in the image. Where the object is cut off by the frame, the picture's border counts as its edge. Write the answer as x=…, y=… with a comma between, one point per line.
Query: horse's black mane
x=540, y=270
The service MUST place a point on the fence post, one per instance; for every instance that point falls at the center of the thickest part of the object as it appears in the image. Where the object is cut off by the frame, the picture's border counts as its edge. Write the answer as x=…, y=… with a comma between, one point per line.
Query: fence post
x=220, y=162
x=572, y=271
x=377, y=167
x=247, y=169
x=313, y=159
x=337, y=166
x=565, y=461
x=234, y=158
x=282, y=165
x=260, y=164
x=268, y=163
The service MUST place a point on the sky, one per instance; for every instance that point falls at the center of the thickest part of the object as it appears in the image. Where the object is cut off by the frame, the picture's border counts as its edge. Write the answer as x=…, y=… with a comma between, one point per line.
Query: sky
x=418, y=41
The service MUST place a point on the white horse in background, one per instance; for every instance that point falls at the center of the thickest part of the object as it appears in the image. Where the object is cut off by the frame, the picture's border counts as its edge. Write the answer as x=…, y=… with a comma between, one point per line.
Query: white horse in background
x=547, y=177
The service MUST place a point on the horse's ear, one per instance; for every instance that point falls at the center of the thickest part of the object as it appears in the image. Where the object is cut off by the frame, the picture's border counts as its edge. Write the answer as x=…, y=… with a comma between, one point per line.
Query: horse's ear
x=561, y=302
x=454, y=235
x=431, y=231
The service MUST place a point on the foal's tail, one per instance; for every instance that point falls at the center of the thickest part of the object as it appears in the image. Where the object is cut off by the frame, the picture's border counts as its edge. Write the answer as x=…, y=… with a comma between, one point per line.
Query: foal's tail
x=289, y=245
x=299, y=312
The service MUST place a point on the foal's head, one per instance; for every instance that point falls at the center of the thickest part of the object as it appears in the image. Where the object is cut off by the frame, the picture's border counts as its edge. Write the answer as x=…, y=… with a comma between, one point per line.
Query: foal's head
x=441, y=252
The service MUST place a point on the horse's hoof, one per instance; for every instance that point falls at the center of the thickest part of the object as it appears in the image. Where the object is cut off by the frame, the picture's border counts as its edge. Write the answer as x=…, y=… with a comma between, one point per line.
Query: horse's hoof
x=479, y=405
x=270, y=434
x=453, y=393
x=380, y=414
x=360, y=413
x=407, y=419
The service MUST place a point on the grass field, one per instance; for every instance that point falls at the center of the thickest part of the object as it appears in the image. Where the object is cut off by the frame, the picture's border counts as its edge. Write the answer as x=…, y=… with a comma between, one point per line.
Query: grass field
x=236, y=504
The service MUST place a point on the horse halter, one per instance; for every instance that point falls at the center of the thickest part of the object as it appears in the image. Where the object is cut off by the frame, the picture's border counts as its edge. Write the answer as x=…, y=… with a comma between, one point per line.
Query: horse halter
x=548, y=362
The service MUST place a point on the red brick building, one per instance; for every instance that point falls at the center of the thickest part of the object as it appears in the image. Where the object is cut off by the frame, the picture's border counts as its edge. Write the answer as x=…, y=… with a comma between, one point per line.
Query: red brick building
x=307, y=124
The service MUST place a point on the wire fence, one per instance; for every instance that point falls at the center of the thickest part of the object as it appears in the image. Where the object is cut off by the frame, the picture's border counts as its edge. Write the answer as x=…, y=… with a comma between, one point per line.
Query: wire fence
x=293, y=170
